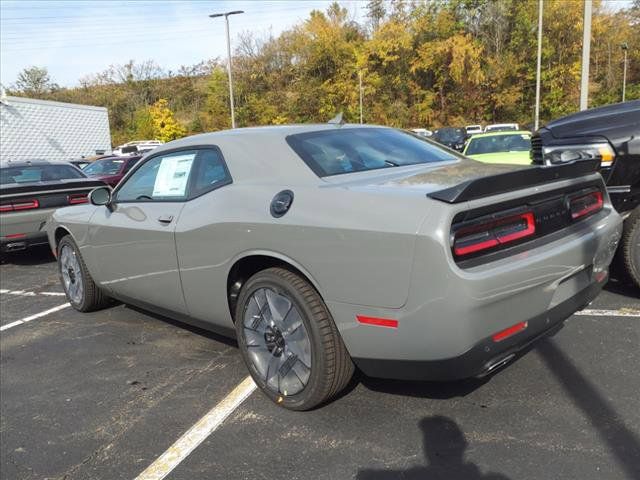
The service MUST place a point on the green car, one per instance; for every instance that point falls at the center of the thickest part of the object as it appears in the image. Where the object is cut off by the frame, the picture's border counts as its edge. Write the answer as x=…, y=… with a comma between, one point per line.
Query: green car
x=500, y=147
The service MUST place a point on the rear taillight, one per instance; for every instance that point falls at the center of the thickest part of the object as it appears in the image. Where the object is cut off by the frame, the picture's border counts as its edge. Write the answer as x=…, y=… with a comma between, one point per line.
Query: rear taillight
x=490, y=234
x=20, y=205
x=584, y=205
x=78, y=198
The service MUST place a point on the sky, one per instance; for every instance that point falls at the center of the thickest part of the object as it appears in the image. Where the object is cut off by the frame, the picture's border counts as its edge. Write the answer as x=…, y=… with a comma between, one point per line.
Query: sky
x=75, y=38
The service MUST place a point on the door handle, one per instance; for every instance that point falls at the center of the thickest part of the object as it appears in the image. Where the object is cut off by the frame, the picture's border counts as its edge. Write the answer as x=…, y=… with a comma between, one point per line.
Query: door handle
x=165, y=218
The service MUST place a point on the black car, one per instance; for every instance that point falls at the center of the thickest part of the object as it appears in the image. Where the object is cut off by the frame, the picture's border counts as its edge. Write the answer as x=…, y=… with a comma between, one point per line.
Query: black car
x=610, y=134
x=451, y=137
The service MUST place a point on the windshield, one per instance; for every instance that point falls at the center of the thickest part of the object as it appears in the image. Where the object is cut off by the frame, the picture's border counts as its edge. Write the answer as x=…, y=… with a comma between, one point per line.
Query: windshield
x=38, y=173
x=334, y=152
x=450, y=134
x=106, y=166
x=520, y=142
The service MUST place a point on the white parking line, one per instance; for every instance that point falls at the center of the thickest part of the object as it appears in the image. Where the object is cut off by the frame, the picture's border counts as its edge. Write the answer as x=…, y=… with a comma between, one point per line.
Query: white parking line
x=193, y=437
x=22, y=293
x=622, y=312
x=33, y=317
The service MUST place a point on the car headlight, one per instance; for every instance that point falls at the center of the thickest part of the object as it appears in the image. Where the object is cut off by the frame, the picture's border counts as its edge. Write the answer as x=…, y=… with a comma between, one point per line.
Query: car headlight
x=571, y=153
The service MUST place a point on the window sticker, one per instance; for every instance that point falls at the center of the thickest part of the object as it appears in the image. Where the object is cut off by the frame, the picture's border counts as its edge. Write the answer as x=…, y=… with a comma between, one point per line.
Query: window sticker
x=173, y=175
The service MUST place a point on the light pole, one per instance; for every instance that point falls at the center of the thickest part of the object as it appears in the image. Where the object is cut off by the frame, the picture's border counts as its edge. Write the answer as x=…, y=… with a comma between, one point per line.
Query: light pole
x=586, y=50
x=360, y=85
x=536, y=122
x=624, y=47
x=226, y=19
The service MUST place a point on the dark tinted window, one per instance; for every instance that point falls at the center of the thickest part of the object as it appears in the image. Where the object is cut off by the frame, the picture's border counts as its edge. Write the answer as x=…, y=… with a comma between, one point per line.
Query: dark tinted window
x=165, y=177
x=106, y=166
x=334, y=152
x=130, y=164
x=210, y=172
x=520, y=142
x=38, y=173
x=450, y=134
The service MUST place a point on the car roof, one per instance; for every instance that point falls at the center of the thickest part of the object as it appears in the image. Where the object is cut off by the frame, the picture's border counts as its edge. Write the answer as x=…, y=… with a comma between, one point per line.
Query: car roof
x=31, y=163
x=501, y=133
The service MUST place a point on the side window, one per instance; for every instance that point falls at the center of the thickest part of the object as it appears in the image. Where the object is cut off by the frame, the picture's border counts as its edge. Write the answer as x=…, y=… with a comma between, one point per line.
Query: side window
x=130, y=164
x=165, y=177
x=210, y=172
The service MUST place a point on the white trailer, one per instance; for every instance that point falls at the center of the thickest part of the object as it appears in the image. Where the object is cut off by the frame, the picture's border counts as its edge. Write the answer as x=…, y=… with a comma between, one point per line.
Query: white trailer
x=43, y=130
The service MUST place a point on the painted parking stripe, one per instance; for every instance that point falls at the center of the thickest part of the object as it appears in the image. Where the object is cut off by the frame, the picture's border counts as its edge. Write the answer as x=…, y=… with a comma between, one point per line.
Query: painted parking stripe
x=193, y=437
x=22, y=293
x=33, y=317
x=622, y=312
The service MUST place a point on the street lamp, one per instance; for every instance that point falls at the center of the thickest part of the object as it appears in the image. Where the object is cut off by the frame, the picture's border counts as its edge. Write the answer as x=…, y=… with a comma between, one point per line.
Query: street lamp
x=624, y=48
x=226, y=18
x=536, y=122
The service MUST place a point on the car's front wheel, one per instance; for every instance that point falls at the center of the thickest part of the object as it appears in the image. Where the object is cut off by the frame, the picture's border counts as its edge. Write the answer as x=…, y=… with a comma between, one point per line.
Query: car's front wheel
x=630, y=246
x=289, y=341
x=83, y=294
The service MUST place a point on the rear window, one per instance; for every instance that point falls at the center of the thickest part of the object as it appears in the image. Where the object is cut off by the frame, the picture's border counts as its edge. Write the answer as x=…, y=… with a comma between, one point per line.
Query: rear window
x=106, y=166
x=499, y=143
x=38, y=173
x=335, y=152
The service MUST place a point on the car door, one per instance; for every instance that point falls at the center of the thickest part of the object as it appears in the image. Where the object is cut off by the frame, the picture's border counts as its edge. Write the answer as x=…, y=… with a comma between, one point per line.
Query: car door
x=132, y=241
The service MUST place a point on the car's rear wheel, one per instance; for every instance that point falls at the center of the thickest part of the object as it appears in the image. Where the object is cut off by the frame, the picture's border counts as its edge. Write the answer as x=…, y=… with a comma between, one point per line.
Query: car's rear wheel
x=289, y=341
x=83, y=294
x=630, y=247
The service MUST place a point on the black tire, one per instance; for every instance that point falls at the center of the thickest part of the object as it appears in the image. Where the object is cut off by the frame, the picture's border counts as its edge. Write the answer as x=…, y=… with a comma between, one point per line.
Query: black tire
x=92, y=297
x=629, y=250
x=331, y=365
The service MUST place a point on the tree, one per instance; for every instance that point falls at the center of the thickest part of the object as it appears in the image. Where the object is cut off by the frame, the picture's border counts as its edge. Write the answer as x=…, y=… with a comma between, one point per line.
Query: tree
x=34, y=81
x=165, y=126
x=375, y=13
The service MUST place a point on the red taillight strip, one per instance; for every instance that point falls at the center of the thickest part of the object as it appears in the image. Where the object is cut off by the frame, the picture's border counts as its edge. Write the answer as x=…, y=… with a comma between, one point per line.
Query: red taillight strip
x=507, y=332
x=16, y=235
x=378, y=322
x=6, y=208
x=496, y=238
x=78, y=198
x=588, y=209
x=26, y=205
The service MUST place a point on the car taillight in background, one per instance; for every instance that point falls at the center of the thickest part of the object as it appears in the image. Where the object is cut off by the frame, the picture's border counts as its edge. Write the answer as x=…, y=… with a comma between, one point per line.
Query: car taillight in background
x=78, y=198
x=490, y=234
x=583, y=205
x=19, y=205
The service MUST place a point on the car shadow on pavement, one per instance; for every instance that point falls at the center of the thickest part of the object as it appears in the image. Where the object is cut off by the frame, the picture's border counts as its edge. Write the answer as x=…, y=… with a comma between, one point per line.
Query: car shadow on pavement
x=444, y=447
x=619, y=285
x=33, y=256
x=623, y=443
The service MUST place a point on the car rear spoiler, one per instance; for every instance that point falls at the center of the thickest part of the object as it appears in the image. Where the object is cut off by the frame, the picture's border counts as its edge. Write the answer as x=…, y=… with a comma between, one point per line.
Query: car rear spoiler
x=516, y=180
x=35, y=188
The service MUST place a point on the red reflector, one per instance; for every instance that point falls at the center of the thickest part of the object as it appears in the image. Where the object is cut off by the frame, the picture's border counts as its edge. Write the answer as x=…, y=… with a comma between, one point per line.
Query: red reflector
x=586, y=204
x=378, y=322
x=16, y=235
x=507, y=332
x=26, y=205
x=78, y=198
x=497, y=232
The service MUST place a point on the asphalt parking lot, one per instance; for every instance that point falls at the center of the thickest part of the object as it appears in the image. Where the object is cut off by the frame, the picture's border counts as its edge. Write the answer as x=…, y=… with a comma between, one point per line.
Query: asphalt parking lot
x=103, y=395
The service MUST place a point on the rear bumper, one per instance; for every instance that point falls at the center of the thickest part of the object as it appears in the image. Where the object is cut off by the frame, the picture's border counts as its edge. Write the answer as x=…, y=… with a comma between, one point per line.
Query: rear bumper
x=487, y=355
x=19, y=242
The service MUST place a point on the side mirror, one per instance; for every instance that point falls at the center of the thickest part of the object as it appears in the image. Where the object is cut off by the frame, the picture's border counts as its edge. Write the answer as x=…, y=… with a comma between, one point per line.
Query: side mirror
x=100, y=196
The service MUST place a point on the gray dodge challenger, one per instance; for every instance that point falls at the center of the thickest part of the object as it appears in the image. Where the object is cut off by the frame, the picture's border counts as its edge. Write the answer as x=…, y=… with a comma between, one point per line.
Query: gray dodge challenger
x=323, y=248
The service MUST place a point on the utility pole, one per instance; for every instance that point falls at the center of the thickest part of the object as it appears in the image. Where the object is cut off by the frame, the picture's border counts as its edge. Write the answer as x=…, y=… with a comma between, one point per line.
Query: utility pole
x=226, y=18
x=586, y=50
x=536, y=122
x=360, y=80
x=624, y=47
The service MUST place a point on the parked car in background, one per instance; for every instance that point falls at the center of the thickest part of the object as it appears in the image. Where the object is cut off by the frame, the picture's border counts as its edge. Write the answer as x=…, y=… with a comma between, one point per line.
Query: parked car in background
x=137, y=147
x=111, y=169
x=473, y=129
x=324, y=246
x=422, y=132
x=80, y=163
x=500, y=147
x=451, y=137
x=29, y=192
x=499, y=127
x=610, y=135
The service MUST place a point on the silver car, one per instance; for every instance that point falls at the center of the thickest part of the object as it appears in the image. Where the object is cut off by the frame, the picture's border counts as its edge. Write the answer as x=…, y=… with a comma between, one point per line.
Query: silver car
x=326, y=247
